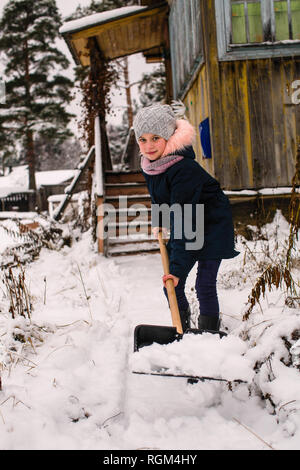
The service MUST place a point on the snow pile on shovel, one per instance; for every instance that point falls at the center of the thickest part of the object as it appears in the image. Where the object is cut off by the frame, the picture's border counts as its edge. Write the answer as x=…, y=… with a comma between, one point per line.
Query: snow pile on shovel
x=197, y=355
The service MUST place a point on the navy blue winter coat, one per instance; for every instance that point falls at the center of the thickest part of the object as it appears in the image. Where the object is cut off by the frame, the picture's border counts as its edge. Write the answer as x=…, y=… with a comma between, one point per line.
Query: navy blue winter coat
x=186, y=182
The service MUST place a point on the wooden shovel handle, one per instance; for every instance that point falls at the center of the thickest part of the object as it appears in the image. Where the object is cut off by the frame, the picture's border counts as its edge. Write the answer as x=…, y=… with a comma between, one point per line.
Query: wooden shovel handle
x=176, y=321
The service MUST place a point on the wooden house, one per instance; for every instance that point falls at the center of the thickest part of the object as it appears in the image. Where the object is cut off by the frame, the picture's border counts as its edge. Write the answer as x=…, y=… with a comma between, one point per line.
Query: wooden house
x=236, y=66
x=238, y=83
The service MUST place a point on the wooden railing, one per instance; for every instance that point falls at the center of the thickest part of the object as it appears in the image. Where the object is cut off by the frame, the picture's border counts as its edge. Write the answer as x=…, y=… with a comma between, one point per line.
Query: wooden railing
x=73, y=186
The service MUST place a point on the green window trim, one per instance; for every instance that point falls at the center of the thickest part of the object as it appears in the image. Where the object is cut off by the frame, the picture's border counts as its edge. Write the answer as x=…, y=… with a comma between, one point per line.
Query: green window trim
x=257, y=28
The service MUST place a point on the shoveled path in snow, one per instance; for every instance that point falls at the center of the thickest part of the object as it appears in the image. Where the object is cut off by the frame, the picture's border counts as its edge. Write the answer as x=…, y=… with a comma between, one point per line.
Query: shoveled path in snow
x=79, y=391
x=164, y=413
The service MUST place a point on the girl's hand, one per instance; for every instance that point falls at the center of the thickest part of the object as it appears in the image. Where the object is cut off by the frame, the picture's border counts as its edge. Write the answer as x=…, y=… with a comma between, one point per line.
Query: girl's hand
x=156, y=230
x=170, y=276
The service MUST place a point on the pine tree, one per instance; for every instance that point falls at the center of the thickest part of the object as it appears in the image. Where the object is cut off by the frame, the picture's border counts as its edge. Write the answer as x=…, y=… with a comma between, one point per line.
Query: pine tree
x=57, y=156
x=7, y=147
x=152, y=87
x=120, y=65
x=37, y=91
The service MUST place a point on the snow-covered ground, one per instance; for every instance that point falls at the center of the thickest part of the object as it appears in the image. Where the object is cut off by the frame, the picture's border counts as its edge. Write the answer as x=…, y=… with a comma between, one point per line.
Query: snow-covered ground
x=70, y=384
x=17, y=180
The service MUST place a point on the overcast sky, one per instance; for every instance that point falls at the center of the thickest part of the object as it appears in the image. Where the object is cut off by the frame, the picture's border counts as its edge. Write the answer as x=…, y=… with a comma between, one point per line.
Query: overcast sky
x=137, y=62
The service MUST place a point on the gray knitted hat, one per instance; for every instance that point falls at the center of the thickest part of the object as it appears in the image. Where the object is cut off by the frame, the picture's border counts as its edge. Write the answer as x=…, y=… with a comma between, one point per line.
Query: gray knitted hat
x=156, y=119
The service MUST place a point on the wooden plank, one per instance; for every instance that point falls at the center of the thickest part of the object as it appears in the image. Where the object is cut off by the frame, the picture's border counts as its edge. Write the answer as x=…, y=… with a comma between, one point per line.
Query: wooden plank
x=255, y=123
x=123, y=36
x=128, y=20
x=125, y=189
x=280, y=154
x=261, y=119
x=213, y=82
x=288, y=76
x=100, y=225
x=270, y=178
x=232, y=150
x=114, y=201
x=241, y=83
x=81, y=50
x=124, y=177
x=129, y=229
x=297, y=106
x=196, y=102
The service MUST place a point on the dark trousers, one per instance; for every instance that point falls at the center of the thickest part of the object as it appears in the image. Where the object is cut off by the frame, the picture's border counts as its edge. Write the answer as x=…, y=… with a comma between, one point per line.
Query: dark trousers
x=206, y=288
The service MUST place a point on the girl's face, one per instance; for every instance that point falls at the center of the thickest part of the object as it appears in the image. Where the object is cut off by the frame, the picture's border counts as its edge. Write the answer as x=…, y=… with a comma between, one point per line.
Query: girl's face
x=152, y=146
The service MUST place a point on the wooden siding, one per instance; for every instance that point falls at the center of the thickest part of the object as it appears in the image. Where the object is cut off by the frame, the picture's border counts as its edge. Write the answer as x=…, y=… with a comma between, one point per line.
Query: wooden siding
x=185, y=44
x=197, y=107
x=253, y=123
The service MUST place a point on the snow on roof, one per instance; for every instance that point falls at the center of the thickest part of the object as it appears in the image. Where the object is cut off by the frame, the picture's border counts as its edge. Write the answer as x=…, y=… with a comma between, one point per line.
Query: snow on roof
x=99, y=18
x=53, y=176
x=17, y=180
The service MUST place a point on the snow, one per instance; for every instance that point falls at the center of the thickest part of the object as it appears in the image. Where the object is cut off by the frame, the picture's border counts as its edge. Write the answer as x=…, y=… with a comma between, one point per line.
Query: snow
x=60, y=197
x=70, y=384
x=99, y=18
x=17, y=180
x=53, y=177
x=228, y=361
x=17, y=215
x=263, y=191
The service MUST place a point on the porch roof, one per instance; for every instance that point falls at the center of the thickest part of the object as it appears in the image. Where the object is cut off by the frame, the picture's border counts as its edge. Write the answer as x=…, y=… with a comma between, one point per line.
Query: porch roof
x=119, y=32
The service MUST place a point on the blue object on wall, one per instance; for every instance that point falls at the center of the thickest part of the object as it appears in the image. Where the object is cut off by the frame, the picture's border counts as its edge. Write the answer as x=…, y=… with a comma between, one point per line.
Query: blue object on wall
x=205, y=138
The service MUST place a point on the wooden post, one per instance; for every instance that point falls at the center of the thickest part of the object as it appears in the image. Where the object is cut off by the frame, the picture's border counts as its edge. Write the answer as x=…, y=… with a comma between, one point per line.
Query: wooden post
x=100, y=226
x=169, y=82
x=99, y=185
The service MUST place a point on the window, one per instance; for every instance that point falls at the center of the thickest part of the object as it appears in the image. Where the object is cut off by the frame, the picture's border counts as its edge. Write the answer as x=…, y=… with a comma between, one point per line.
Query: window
x=245, y=26
x=246, y=22
x=185, y=43
x=252, y=24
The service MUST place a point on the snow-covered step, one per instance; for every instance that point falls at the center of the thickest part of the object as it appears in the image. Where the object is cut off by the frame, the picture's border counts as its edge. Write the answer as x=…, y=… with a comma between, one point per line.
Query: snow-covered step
x=133, y=248
x=129, y=225
x=133, y=238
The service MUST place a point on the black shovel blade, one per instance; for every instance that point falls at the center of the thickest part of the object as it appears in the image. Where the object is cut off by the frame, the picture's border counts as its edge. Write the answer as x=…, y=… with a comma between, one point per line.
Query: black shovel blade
x=198, y=331
x=145, y=335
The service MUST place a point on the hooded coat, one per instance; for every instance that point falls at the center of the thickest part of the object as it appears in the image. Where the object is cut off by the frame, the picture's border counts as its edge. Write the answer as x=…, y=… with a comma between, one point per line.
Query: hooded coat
x=187, y=183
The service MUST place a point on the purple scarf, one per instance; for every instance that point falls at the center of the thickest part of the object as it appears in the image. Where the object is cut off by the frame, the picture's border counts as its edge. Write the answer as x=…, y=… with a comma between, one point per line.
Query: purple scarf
x=159, y=166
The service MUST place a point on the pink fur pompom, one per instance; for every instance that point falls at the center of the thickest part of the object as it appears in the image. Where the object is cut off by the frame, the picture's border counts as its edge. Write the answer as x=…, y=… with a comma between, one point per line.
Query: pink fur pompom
x=182, y=137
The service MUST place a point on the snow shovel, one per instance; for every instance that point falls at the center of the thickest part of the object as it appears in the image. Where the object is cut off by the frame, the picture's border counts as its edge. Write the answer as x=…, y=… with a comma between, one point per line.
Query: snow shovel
x=145, y=335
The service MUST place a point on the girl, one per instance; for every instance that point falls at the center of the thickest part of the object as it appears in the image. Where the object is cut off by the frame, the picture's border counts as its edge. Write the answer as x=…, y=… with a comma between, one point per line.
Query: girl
x=174, y=177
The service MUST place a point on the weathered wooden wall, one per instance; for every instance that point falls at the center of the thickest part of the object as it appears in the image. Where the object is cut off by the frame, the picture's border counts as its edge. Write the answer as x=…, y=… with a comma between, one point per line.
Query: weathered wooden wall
x=197, y=105
x=253, y=122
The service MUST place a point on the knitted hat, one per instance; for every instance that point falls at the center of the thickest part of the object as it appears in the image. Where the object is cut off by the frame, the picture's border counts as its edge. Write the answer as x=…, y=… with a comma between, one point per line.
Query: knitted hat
x=157, y=119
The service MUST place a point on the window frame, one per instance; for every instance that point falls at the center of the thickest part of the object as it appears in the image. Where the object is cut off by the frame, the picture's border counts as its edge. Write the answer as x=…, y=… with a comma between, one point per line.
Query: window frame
x=190, y=46
x=265, y=49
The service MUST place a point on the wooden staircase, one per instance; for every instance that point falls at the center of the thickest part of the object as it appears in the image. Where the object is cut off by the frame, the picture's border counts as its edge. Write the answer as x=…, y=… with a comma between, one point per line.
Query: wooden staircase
x=129, y=214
